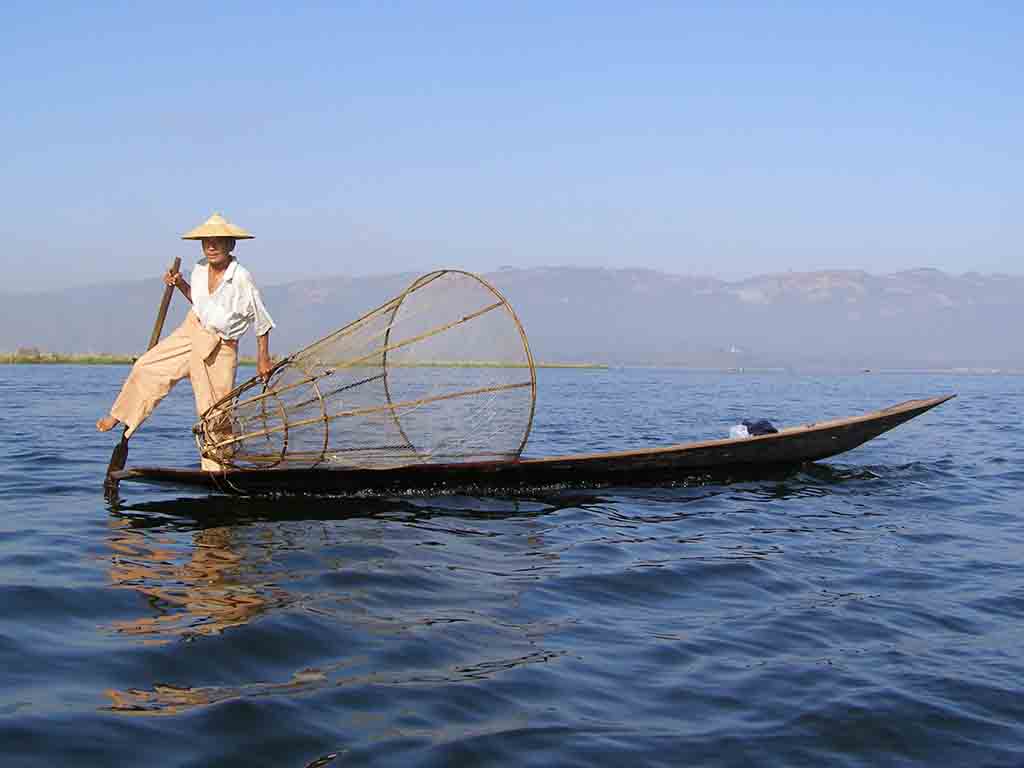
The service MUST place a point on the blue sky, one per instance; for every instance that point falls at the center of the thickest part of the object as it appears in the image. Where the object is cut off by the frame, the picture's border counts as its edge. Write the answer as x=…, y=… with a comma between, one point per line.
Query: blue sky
x=720, y=138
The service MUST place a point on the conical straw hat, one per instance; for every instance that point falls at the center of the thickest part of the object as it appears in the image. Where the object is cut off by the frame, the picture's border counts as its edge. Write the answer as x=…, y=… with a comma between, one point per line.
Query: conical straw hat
x=217, y=226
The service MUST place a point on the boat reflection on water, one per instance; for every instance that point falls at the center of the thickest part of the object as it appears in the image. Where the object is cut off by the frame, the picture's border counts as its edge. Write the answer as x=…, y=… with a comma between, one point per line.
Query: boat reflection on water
x=208, y=564
x=311, y=569
x=197, y=583
x=193, y=589
x=375, y=595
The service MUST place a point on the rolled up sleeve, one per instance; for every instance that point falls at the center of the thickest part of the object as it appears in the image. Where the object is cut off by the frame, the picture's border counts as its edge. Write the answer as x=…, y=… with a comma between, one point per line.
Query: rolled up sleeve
x=262, y=321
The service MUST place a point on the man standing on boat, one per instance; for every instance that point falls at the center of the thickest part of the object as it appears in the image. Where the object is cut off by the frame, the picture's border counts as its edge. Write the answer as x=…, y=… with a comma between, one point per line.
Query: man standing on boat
x=225, y=303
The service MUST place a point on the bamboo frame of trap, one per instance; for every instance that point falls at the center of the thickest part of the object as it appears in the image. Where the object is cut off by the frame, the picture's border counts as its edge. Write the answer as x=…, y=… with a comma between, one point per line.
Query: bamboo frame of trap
x=213, y=417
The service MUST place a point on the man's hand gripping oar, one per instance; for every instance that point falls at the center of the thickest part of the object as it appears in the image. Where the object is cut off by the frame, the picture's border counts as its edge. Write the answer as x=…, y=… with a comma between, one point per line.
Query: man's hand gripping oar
x=120, y=455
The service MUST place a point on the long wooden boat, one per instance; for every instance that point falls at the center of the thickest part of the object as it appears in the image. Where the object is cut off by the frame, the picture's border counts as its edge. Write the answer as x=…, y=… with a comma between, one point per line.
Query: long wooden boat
x=702, y=461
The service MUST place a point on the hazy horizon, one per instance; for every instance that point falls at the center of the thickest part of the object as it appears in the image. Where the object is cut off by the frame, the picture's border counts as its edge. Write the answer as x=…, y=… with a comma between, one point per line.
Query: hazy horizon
x=922, y=319
x=270, y=278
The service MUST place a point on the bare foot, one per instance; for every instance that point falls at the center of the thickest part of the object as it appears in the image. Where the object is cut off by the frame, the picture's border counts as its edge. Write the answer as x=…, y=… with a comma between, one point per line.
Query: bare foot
x=106, y=424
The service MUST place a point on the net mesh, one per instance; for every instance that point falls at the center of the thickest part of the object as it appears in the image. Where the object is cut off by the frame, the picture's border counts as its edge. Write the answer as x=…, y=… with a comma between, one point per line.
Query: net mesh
x=441, y=373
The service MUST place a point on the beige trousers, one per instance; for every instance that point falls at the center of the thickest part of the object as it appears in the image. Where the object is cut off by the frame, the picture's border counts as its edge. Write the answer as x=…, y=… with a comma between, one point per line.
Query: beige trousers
x=190, y=350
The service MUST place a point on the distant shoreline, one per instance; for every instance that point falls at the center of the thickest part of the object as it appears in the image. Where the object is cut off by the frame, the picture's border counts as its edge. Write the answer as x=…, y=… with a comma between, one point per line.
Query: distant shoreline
x=58, y=359
x=47, y=358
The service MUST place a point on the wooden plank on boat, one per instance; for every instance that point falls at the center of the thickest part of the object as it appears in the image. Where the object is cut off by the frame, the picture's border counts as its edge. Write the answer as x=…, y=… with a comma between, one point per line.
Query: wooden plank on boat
x=736, y=457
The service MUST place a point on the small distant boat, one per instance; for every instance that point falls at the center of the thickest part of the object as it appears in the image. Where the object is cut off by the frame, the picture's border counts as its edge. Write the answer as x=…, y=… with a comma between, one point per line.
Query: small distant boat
x=708, y=460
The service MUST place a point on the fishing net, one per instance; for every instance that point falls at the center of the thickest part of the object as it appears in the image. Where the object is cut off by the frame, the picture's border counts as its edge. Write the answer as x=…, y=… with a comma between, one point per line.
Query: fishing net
x=441, y=373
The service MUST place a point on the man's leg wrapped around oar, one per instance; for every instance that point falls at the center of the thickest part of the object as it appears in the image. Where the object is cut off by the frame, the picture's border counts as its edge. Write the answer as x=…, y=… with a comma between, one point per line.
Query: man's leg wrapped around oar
x=208, y=361
x=152, y=376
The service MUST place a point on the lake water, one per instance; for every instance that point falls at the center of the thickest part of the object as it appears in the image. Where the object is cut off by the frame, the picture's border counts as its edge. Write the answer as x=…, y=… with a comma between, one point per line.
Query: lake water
x=868, y=610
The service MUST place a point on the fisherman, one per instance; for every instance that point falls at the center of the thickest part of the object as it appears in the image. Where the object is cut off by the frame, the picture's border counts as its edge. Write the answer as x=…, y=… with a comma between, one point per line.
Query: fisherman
x=225, y=303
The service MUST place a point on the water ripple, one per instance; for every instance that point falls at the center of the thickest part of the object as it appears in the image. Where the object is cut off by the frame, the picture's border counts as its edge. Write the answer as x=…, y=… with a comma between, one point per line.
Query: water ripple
x=862, y=611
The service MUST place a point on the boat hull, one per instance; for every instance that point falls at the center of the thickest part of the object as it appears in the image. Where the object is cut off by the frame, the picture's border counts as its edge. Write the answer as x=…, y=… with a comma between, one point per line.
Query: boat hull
x=702, y=461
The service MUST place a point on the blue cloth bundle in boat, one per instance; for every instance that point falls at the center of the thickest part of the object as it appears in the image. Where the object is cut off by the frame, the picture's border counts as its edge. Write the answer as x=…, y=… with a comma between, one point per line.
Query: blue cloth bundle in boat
x=760, y=427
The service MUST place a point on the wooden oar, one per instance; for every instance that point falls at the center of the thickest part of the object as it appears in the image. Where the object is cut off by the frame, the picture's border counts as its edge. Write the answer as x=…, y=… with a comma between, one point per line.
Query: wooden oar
x=165, y=302
x=120, y=455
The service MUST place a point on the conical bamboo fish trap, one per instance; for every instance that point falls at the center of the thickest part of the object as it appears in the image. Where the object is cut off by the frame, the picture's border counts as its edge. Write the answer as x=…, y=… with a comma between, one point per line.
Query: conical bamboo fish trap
x=441, y=373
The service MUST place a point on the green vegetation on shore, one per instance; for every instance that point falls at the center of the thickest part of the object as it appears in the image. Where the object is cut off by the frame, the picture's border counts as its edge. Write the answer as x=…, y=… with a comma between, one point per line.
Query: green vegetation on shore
x=45, y=358
x=35, y=357
x=54, y=358
x=599, y=366
x=487, y=364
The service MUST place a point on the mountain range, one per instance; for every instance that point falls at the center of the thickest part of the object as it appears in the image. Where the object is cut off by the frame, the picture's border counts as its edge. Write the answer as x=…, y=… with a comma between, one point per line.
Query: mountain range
x=837, y=319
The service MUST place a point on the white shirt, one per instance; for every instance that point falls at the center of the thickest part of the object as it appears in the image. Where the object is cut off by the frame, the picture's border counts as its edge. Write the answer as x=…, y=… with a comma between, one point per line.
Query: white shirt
x=233, y=307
